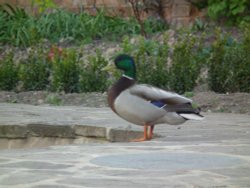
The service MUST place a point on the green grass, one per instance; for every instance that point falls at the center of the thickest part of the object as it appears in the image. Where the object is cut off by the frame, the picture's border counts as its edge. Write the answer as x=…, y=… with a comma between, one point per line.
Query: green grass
x=21, y=29
x=54, y=99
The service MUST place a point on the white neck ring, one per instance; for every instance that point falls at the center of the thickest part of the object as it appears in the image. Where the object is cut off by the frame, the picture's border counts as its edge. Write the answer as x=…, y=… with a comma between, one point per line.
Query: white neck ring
x=127, y=77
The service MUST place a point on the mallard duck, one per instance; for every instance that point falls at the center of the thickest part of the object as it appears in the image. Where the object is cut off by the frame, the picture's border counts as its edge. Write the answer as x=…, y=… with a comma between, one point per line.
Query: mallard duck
x=146, y=105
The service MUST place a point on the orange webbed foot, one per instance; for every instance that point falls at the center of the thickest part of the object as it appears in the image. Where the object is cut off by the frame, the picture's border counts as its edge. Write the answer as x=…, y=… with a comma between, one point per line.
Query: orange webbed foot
x=145, y=137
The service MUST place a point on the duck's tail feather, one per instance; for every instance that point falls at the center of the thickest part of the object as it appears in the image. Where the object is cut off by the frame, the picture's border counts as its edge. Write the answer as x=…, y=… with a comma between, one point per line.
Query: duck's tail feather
x=192, y=116
x=186, y=110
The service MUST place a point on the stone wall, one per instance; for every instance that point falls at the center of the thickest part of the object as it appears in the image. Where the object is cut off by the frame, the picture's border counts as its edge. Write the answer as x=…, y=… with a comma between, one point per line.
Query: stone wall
x=175, y=12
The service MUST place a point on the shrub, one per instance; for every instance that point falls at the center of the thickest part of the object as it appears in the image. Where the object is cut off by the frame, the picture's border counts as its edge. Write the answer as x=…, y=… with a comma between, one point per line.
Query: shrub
x=235, y=11
x=237, y=67
x=34, y=72
x=65, y=70
x=153, y=66
x=246, y=37
x=153, y=25
x=8, y=73
x=186, y=63
x=216, y=74
x=92, y=78
x=229, y=65
x=151, y=59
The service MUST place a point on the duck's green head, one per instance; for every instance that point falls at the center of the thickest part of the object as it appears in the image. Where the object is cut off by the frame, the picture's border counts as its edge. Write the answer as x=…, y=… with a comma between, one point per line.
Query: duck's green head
x=126, y=63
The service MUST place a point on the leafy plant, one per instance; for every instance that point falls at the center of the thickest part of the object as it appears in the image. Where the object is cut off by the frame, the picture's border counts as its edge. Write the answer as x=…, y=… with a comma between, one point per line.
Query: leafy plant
x=13, y=12
x=151, y=59
x=156, y=6
x=54, y=99
x=229, y=65
x=199, y=25
x=153, y=65
x=189, y=94
x=92, y=78
x=233, y=10
x=8, y=73
x=3, y=27
x=138, y=12
x=140, y=7
x=44, y=4
x=65, y=70
x=21, y=29
x=34, y=72
x=230, y=11
x=246, y=37
x=216, y=74
x=16, y=25
x=153, y=25
x=57, y=25
x=200, y=4
x=186, y=63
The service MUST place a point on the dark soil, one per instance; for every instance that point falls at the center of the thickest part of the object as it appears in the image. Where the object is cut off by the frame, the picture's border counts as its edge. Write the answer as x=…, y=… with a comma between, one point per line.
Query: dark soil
x=208, y=101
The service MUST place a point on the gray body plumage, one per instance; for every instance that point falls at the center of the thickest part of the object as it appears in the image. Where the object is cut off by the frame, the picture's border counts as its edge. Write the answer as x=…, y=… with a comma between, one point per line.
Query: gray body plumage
x=134, y=105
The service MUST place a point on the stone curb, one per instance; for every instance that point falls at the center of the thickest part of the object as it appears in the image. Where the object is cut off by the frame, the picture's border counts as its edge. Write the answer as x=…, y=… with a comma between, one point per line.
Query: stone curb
x=67, y=131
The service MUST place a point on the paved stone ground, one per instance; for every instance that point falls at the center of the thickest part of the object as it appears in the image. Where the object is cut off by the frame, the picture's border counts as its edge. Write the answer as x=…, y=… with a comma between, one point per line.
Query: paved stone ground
x=26, y=124
x=213, y=153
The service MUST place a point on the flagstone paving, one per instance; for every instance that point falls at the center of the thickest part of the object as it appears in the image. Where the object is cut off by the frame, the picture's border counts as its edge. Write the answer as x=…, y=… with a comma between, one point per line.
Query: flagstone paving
x=86, y=150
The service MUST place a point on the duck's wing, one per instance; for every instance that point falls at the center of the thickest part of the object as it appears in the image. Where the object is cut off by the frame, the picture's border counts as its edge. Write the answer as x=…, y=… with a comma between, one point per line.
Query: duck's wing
x=151, y=93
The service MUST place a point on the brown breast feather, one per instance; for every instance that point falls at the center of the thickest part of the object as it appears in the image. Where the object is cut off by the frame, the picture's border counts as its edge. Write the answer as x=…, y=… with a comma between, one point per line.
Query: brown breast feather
x=122, y=84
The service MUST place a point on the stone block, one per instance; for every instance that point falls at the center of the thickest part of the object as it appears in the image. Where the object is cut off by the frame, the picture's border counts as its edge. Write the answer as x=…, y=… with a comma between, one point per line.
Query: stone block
x=180, y=22
x=172, y=8
x=182, y=2
x=167, y=13
x=119, y=135
x=65, y=3
x=46, y=130
x=167, y=3
x=90, y=131
x=13, y=131
x=11, y=2
x=179, y=10
x=110, y=3
x=90, y=2
x=78, y=3
x=36, y=165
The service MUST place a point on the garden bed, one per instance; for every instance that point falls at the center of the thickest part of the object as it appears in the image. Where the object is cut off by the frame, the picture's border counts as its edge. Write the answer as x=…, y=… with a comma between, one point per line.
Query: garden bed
x=63, y=54
x=207, y=100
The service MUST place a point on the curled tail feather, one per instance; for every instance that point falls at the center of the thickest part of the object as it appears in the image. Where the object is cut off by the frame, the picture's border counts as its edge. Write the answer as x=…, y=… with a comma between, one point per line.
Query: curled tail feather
x=186, y=110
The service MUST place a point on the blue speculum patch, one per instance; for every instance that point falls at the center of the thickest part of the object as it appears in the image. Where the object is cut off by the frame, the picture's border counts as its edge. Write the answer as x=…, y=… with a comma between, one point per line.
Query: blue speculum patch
x=168, y=161
x=158, y=103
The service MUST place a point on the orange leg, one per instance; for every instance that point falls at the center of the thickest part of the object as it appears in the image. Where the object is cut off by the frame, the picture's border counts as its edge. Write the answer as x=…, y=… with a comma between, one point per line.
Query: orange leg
x=145, y=135
x=151, y=132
